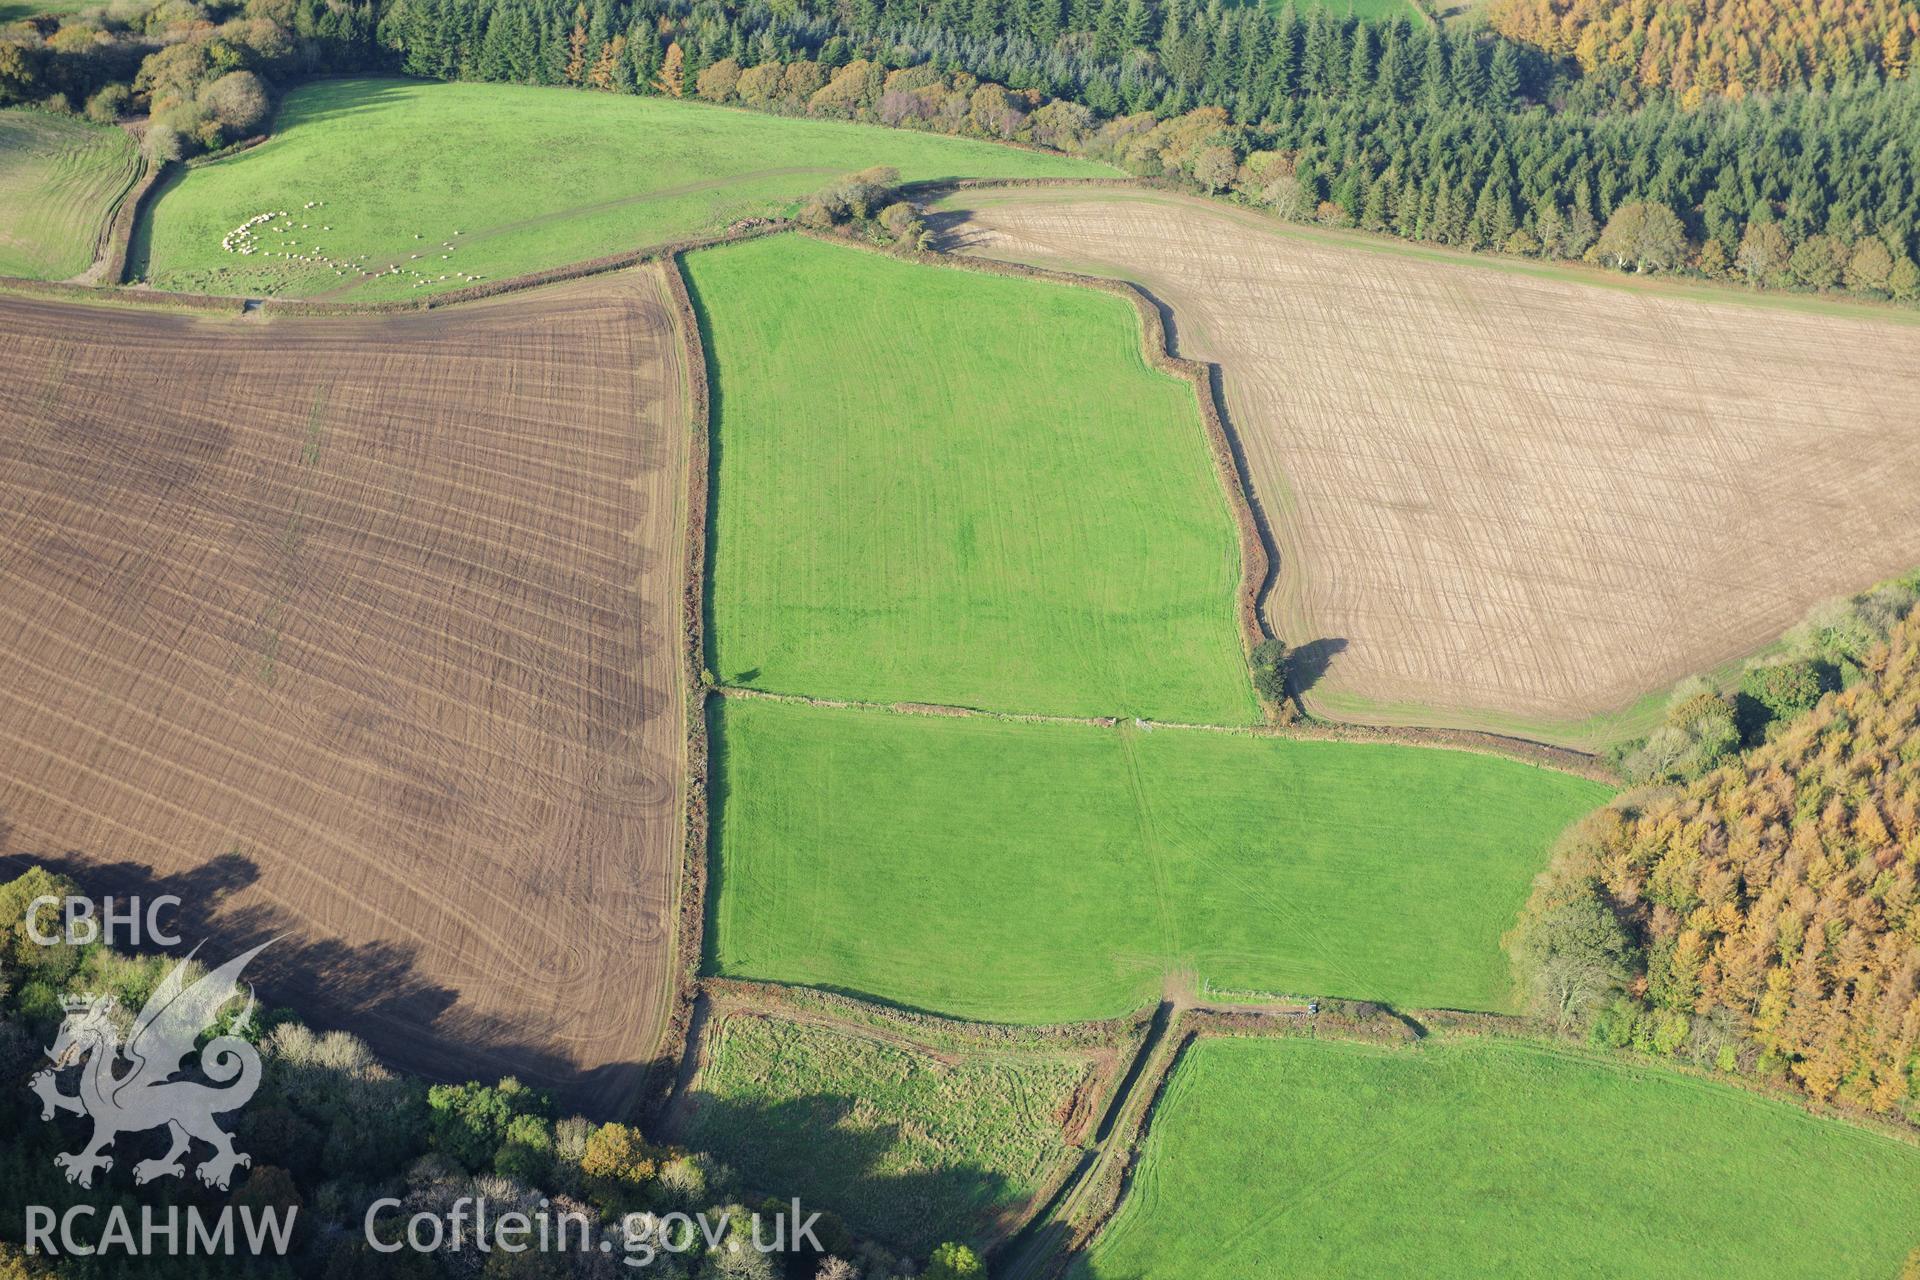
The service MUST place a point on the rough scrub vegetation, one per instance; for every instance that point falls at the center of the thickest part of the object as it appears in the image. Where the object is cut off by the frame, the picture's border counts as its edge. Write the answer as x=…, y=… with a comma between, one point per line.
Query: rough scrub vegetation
x=904, y=1142
x=1766, y=919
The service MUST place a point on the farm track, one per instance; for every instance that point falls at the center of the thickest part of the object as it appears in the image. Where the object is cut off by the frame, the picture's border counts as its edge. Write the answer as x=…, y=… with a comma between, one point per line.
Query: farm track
x=1482, y=523
x=1088, y=1198
x=366, y=630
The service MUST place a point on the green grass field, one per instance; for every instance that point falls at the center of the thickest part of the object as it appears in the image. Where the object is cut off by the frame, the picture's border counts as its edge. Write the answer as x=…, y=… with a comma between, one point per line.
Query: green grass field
x=944, y=486
x=906, y=1146
x=513, y=178
x=1037, y=873
x=1284, y=1158
x=59, y=181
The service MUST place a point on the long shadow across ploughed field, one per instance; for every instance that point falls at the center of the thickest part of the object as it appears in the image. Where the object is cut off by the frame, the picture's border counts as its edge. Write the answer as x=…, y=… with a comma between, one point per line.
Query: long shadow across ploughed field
x=375, y=988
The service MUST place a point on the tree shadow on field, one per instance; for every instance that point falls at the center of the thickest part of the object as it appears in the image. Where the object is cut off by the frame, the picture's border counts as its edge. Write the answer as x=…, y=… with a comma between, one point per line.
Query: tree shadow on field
x=140, y=246
x=952, y=230
x=328, y=97
x=709, y=653
x=372, y=990
x=818, y=1147
x=1308, y=663
x=717, y=791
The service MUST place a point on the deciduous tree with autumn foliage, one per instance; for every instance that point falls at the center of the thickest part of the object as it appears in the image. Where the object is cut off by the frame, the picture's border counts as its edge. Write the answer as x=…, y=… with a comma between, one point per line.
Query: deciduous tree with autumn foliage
x=1769, y=911
x=1730, y=47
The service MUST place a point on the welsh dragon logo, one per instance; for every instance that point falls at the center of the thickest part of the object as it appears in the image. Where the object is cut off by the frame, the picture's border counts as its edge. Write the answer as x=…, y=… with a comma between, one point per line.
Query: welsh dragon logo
x=130, y=1088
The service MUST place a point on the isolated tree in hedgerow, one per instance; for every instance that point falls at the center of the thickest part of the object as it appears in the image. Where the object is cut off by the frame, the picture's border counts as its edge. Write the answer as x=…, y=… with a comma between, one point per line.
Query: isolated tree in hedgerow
x=1269, y=661
x=902, y=221
x=162, y=142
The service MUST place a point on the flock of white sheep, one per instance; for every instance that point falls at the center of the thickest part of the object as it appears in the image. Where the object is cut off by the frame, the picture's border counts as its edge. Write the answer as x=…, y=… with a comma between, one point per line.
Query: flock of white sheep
x=246, y=241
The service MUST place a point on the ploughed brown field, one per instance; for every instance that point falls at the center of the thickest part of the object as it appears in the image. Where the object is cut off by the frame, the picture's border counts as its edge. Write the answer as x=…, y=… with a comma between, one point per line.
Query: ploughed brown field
x=364, y=630
x=1505, y=498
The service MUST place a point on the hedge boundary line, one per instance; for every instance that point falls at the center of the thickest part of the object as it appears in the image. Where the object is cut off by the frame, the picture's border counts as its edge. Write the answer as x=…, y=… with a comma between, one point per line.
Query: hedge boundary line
x=1367, y=1023
x=240, y=304
x=206, y=158
x=922, y=1027
x=1545, y=755
x=677, y=1044
x=126, y=222
x=152, y=299
x=1257, y=565
x=936, y=186
x=110, y=240
x=1470, y=741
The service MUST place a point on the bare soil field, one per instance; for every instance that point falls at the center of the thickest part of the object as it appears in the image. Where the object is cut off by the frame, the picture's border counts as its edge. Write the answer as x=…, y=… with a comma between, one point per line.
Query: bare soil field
x=365, y=630
x=1503, y=498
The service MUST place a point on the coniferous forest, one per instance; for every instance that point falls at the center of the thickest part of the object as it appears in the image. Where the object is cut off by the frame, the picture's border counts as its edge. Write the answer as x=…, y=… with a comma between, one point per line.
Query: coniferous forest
x=1581, y=132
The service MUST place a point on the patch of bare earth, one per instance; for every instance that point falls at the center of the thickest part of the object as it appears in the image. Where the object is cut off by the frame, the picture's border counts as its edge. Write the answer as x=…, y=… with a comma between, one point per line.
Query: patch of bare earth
x=364, y=630
x=1510, y=500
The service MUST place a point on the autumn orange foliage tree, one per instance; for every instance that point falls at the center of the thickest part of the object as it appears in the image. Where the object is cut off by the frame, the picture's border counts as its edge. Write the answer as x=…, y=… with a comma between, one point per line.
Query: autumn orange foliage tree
x=1731, y=47
x=1774, y=902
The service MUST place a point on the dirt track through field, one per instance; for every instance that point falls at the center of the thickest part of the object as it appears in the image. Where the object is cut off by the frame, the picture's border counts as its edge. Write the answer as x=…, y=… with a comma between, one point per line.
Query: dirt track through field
x=365, y=629
x=1504, y=500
